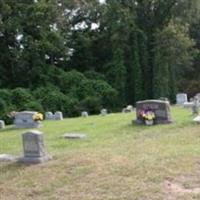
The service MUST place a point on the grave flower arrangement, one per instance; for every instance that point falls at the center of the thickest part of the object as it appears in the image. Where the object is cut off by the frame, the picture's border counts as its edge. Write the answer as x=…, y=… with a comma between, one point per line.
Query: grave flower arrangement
x=38, y=117
x=148, y=117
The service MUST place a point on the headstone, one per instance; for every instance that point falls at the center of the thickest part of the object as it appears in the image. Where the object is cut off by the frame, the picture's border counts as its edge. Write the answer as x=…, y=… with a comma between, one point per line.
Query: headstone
x=197, y=96
x=25, y=120
x=58, y=115
x=74, y=136
x=2, y=124
x=181, y=98
x=188, y=104
x=34, y=148
x=104, y=112
x=84, y=114
x=128, y=109
x=160, y=108
x=49, y=116
x=195, y=106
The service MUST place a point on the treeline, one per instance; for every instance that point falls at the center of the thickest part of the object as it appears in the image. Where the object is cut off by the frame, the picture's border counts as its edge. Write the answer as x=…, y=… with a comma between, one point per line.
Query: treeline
x=72, y=55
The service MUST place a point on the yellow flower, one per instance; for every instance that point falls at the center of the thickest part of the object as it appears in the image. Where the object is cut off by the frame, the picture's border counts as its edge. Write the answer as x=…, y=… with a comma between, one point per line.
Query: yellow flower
x=38, y=117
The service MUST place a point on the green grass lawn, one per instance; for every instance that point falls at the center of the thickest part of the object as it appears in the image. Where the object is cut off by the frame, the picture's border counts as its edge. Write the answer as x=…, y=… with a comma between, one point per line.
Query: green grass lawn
x=117, y=161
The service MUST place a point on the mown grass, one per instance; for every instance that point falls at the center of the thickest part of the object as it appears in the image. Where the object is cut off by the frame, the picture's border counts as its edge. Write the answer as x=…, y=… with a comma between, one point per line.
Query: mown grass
x=118, y=160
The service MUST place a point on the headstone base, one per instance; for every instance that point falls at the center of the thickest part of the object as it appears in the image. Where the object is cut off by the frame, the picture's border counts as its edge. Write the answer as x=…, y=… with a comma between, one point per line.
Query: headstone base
x=156, y=122
x=37, y=124
x=35, y=160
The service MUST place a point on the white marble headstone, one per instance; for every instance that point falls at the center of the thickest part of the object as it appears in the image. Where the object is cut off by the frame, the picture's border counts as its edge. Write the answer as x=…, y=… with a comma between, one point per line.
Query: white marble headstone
x=49, y=116
x=181, y=98
x=58, y=115
x=84, y=114
x=104, y=112
x=2, y=124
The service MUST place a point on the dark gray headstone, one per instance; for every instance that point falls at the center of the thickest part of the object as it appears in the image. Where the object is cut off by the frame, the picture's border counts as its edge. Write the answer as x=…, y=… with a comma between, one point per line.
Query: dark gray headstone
x=25, y=120
x=2, y=124
x=34, y=148
x=160, y=108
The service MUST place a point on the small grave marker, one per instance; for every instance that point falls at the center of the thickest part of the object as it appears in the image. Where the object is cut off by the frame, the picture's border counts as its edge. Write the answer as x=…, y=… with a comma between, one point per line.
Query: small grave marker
x=181, y=99
x=2, y=124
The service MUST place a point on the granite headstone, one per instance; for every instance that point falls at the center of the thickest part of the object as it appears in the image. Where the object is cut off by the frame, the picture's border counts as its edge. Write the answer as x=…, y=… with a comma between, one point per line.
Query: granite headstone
x=160, y=108
x=25, y=120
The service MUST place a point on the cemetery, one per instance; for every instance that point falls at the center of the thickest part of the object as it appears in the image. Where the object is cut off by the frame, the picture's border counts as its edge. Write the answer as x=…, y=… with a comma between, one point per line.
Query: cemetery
x=110, y=148
x=100, y=100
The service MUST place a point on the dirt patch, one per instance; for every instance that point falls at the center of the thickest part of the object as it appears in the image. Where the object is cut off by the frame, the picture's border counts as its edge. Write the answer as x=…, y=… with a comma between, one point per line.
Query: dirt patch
x=175, y=190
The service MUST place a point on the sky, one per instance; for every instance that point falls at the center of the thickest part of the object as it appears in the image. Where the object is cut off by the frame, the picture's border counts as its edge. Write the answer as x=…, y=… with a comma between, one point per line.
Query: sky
x=102, y=1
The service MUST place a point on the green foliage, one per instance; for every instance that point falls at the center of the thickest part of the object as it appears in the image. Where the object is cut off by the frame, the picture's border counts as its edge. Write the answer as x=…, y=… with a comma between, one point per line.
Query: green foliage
x=3, y=108
x=94, y=75
x=91, y=105
x=20, y=97
x=34, y=105
x=137, y=51
x=5, y=95
x=56, y=101
x=116, y=75
x=69, y=80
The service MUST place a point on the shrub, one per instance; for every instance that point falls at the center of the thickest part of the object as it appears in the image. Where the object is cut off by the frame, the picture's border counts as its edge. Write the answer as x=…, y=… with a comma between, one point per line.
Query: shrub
x=107, y=93
x=42, y=91
x=56, y=100
x=3, y=108
x=5, y=94
x=20, y=97
x=94, y=75
x=91, y=104
x=34, y=105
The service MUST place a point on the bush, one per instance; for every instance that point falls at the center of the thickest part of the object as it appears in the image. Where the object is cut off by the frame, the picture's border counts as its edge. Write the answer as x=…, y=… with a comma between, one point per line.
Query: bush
x=92, y=105
x=5, y=109
x=94, y=75
x=42, y=91
x=5, y=94
x=107, y=93
x=20, y=97
x=56, y=101
x=34, y=105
